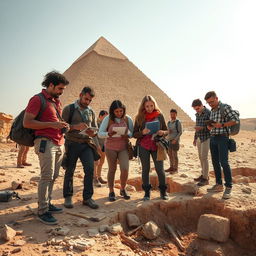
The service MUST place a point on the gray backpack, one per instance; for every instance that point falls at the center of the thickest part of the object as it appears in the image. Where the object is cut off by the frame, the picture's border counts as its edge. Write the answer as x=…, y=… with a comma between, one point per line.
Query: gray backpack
x=234, y=129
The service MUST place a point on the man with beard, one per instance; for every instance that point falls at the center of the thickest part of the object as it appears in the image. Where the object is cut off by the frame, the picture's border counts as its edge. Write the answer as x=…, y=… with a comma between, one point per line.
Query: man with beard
x=80, y=145
x=49, y=140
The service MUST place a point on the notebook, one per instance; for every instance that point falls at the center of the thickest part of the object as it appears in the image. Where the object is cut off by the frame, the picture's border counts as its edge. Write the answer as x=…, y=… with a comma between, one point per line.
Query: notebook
x=153, y=126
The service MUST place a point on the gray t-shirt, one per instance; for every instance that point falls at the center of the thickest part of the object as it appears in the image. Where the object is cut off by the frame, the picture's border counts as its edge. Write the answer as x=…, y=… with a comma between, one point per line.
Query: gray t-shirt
x=174, y=130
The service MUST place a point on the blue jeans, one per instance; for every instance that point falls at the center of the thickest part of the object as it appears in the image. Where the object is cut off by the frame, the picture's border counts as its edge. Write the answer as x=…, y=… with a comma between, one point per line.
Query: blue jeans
x=85, y=153
x=144, y=155
x=219, y=153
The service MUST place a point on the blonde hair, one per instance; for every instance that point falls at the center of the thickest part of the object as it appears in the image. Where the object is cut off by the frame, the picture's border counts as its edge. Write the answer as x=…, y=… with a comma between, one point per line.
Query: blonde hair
x=140, y=117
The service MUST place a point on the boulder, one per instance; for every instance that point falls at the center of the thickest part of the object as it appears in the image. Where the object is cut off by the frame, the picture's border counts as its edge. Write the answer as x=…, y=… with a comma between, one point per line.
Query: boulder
x=214, y=227
x=132, y=220
x=8, y=233
x=150, y=230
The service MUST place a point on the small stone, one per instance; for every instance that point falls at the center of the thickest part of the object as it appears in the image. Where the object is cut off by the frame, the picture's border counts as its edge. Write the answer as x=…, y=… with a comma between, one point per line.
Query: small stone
x=183, y=175
x=35, y=179
x=62, y=231
x=115, y=229
x=132, y=220
x=8, y=233
x=93, y=232
x=16, y=185
x=82, y=223
x=130, y=188
x=103, y=228
x=150, y=230
x=16, y=250
x=247, y=190
x=19, y=243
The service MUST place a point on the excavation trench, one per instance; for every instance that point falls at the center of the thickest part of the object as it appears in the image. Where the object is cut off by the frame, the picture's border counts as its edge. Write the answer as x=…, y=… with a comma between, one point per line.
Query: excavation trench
x=183, y=211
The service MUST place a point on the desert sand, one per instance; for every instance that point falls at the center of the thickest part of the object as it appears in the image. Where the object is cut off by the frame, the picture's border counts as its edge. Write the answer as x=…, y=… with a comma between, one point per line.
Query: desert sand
x=182, y=211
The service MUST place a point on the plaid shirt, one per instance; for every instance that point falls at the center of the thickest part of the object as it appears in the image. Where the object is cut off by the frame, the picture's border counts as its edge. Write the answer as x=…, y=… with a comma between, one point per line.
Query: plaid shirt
x=204, y=134
x=229, y=115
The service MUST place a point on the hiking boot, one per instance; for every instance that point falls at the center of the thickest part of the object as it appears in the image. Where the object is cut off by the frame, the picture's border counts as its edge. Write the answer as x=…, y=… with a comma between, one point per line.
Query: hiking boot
x=163, y=193
x=112, y=197
x=54, y=209
x=216, y=188
x=68, y=202
x=96, y=183
x=199, y=178
x=47, y=218
x=168, y=170
x=227, y=193
x=102, y=181
x=147, y=189
x=203, y=182
x=91, y=203
x=124, y=194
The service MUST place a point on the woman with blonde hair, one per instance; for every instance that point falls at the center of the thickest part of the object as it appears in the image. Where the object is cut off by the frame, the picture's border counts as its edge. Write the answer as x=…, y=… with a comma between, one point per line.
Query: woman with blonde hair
x=150, y=116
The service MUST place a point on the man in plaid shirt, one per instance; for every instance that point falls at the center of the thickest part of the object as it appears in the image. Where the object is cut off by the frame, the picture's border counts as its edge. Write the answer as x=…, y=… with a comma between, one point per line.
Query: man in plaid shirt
x=219, y=130
x=202, y=140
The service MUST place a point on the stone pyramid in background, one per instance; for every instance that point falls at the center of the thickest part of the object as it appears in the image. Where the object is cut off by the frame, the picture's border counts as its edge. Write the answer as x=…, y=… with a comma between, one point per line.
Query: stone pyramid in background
x=113, y=77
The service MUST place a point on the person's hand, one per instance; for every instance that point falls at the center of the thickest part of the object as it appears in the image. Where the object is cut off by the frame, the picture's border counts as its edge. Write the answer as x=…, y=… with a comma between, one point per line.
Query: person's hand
x=160, y=133
x=80, y=126
x=90, y=132
x=209, y=127
x=110, y=134
x=59, y=125
x=145, y=131
x=194, y=142
x=217, y=125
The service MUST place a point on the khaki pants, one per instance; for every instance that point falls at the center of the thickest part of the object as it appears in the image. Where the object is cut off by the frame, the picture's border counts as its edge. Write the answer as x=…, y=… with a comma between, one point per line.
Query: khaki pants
x=203, y=149
x=50, y=162
x=112, y=157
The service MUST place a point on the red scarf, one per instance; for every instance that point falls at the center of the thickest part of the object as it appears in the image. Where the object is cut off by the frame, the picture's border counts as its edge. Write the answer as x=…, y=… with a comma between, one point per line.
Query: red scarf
x=152, y=115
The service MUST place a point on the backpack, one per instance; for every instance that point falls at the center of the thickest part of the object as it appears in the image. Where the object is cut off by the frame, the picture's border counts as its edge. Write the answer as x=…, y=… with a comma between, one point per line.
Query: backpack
x=20, y=134
x=234, y=129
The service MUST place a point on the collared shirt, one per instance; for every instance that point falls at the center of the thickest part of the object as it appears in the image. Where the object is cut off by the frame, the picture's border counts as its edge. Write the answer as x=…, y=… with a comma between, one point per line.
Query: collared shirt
x=204, y=134
x=229, y=115
x=49, y=115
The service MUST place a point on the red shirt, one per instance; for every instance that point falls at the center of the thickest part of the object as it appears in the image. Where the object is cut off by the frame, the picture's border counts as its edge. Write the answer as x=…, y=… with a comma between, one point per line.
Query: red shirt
x=49, y=115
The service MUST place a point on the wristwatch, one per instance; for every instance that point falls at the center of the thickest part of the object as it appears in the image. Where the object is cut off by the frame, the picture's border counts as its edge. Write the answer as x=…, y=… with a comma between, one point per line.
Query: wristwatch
x=222, y=125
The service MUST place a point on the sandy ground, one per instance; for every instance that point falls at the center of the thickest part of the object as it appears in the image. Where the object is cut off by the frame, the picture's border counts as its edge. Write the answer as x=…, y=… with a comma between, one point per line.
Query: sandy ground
x=35, y=234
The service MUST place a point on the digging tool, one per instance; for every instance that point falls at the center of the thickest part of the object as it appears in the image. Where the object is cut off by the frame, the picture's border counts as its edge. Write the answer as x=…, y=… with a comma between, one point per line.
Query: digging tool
x=177, y=240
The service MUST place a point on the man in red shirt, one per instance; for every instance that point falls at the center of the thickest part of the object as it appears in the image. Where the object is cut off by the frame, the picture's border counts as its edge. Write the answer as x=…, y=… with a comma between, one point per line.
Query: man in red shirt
x=49, y=140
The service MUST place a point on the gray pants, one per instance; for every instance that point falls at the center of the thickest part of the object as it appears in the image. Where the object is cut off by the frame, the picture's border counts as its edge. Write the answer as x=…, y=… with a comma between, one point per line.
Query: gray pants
x=112, y=157
x=144, y=155
x=203, y=149
x=50, y=162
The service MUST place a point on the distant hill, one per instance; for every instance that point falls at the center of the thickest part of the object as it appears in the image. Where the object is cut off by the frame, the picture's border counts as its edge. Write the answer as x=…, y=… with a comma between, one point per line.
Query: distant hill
x=248, y=124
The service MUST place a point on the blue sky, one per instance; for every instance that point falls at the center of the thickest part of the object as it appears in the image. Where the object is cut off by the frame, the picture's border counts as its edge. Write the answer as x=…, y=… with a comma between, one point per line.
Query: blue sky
x=186, y=47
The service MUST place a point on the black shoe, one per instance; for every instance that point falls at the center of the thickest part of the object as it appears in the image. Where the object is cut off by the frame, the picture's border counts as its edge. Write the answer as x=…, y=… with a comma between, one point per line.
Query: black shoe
x=199, y=178
x=47, y=218
x=112, y=197
x=91, y=203
x=124, y=194
x=147, y=189
x=54, y=209
x=68, y=202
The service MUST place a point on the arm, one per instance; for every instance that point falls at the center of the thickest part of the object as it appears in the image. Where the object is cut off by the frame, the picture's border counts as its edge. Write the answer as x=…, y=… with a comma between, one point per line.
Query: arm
x=130, y=126
x=163, y=130
x=136, y=131
x=103, y=133
x=180, y=131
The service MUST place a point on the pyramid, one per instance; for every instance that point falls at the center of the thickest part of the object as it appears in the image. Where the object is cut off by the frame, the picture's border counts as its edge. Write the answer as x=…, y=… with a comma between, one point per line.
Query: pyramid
x=114, y=77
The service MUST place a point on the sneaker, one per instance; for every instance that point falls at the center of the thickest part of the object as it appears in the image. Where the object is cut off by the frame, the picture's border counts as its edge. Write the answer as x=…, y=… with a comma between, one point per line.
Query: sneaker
x=96, y=182
x=216, y=188
x=227, y=193
x=68, y=202
x=203, y=182
x=199, y=178
x=91, y=203
x=54, y=209
x=124, y=194
x=112, y=197
x=26, y=164
x=102, y=181
x=47, y=218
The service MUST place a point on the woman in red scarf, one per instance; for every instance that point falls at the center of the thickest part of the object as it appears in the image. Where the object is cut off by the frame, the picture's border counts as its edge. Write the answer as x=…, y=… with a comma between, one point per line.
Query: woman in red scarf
x=149, y=112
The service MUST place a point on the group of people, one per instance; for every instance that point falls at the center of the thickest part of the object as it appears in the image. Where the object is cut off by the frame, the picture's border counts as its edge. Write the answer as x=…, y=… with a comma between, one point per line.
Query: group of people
x=77, y=132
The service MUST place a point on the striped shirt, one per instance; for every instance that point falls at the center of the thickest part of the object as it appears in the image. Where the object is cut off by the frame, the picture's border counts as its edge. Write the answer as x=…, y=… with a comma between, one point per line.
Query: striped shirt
x=203, y=134
x=229, y=115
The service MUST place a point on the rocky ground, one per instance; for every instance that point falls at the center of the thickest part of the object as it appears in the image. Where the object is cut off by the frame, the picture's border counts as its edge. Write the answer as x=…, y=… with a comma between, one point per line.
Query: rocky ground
x=83, y=231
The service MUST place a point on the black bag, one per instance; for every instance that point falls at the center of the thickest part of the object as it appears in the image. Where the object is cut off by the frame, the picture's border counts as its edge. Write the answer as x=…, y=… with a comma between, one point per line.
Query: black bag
x=21, y=135
x=7, y=195
x=232, y=145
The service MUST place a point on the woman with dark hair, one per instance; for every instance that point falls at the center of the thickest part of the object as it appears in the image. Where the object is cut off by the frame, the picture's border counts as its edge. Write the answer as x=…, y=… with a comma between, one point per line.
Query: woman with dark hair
x=149, y=112
x=116, y=128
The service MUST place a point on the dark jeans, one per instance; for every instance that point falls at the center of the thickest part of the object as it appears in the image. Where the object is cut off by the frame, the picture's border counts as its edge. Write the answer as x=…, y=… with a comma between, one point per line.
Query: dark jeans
x=144, y=155
x=219, y=153
x=85, y=153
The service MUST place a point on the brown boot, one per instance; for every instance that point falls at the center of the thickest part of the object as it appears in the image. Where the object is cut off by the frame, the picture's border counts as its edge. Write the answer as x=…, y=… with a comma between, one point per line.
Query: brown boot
x=168, y=170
